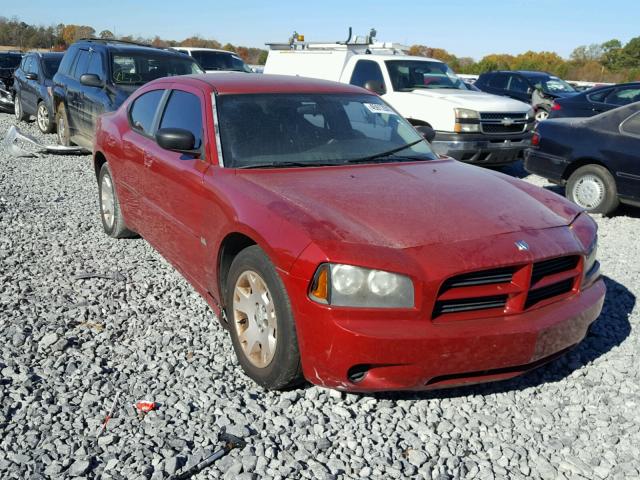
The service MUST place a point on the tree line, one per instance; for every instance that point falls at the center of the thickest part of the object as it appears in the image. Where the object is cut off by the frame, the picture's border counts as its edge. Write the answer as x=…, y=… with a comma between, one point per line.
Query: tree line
x=22, y=36
x=607, y=62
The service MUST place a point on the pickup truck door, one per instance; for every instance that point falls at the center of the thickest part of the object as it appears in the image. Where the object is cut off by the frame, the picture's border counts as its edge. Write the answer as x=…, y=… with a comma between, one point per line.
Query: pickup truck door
x=95, y=99
x=174, y=192
x=75, y=93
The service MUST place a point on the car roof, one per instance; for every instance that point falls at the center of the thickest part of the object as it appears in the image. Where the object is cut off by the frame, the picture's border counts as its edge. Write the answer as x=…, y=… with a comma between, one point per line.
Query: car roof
x=124, y=46
x=202, y=49
x=246, y=83
x=47, y=54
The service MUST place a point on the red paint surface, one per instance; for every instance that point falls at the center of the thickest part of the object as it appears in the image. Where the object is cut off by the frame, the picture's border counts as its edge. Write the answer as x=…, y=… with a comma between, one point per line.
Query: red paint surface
x=428, y=220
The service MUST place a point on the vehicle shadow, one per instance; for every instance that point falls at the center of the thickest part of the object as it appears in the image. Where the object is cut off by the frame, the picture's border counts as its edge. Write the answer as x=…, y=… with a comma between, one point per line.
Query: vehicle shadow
x=515, y=169
x=610, y=329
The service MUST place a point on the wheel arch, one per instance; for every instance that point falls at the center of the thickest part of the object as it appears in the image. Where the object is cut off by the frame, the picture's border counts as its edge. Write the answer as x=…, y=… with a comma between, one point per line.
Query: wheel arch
x=582, y=162
x=98, y=160
x=232, y=244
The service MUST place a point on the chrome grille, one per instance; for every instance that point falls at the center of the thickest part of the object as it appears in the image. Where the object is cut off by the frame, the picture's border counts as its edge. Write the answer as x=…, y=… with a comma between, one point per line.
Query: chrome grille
x=495, y=123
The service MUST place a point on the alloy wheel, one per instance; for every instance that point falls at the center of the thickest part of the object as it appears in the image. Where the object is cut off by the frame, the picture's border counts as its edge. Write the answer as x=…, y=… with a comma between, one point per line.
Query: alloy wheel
x=589, y=191
x=42, y=116
x=107, y=201
x=254, y=318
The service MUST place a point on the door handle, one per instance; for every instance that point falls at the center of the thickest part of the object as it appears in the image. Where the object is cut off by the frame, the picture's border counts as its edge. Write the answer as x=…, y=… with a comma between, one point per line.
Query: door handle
x=147, y=159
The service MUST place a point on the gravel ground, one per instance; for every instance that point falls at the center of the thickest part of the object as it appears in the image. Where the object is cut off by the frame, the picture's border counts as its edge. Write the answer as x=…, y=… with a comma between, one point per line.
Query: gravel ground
x=69, y=344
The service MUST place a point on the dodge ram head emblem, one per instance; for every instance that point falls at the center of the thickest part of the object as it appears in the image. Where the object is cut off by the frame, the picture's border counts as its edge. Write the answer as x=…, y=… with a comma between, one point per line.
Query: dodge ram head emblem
x=506, y=121
x=522, y=245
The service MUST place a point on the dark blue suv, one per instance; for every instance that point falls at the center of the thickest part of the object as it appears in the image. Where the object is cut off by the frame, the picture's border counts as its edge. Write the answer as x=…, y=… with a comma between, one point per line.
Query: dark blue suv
x=96, y=76
x=33, y=84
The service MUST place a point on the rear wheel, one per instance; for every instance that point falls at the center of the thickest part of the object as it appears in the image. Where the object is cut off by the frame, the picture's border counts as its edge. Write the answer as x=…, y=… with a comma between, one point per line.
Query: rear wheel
x=593, y=188
x=62, y=125
x=112, y=219
x=18, y=110
x=261, y=322
x=44, y=119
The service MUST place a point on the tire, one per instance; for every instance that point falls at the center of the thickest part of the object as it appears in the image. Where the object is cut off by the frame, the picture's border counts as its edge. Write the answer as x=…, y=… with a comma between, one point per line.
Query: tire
x=44, y=118
x=276, y=367
x=593, y=188
x=110, y=213
x=62, y=125
x=541, y=114
x=18, y=110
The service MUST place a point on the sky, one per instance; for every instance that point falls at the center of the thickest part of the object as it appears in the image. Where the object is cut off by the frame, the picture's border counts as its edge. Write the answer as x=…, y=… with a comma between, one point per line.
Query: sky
x=472, y=28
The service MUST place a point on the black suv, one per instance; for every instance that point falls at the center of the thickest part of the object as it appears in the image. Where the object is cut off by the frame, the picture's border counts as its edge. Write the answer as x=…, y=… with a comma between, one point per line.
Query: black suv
x=539, y=89
x=33, y=85
x=96, y=76
x=9, y=61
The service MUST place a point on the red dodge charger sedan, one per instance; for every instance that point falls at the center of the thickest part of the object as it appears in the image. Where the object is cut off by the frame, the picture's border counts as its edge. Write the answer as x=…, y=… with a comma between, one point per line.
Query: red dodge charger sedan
x=334, y=245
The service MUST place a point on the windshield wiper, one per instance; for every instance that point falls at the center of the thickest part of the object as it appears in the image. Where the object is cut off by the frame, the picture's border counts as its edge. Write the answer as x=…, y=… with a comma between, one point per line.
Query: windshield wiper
x=386, y=154
x=287, y=164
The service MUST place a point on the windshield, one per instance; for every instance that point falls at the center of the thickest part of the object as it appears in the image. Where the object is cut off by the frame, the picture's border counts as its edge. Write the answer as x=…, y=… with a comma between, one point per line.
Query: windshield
x=407, y=75
x=219, y=61
x=139, y=68
x=555, y=85
x=10, y=61
x=314, y=129
x=50, y=66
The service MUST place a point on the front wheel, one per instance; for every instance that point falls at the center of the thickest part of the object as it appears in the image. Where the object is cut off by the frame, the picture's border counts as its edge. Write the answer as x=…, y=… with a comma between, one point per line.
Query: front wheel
x=18, y=110
x=44, y=118
x=593, y=188
x=261, y=322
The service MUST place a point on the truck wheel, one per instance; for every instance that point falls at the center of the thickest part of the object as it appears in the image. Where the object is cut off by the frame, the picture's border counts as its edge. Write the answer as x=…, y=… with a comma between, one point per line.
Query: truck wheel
x=44, y=119
x=62, y=125
x=261, y=322
x=541, y=114
x=593, y=188
x=112, y=219
x=18, y=110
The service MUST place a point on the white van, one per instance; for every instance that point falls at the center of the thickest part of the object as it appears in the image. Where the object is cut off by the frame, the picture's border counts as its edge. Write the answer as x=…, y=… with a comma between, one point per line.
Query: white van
x=471, y=126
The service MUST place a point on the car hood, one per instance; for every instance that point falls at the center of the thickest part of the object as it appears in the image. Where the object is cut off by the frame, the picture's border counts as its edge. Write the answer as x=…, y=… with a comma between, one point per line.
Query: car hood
x=407, y=205
x=480, y=101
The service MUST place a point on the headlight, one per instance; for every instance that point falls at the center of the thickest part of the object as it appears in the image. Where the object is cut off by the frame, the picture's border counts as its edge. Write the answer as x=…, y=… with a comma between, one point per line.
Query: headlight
x=465, y=113
x=350, y=286
x=590, y=259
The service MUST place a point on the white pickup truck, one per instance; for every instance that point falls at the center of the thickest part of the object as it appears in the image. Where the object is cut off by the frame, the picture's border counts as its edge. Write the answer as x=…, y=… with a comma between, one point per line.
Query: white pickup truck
x=470, y=125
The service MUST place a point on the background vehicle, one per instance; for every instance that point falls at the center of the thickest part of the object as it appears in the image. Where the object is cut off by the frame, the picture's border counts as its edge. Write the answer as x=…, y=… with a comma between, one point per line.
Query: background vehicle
x=96, y=76
x=539, y=89
x=212, y=60
x=598, y=158
x=470, y=126
x=34, y=88
x=596, y=100
x=332, y=235
x=9, y=62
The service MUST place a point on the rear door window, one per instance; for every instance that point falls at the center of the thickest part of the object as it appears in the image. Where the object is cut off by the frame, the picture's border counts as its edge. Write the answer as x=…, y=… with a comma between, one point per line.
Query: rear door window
x=499, y=81
x=365, y=71
x=518, y=84
x=600, y=95
x=624, y=96
x=184, y=111
x=143, y=111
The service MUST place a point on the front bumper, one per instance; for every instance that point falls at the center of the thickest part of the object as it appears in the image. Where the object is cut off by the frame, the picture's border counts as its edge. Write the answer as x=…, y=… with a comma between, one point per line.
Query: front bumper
x=481, y=149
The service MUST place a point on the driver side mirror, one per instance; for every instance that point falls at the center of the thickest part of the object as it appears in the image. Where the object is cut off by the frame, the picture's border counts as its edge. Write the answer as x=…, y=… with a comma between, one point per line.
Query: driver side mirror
x=375, y=87
x=31, y=76
x=177, y=140
x=427, y=132
x=91, y=80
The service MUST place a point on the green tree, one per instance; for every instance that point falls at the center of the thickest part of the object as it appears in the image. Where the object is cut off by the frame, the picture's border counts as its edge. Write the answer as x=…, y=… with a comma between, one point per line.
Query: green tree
x=107, y=34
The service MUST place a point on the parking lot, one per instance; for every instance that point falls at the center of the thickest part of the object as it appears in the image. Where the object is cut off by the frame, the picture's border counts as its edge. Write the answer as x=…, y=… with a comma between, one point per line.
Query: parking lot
x=70, y=344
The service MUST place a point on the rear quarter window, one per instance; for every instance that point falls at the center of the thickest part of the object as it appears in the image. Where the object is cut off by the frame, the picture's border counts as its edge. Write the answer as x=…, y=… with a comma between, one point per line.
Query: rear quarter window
x=631, y=126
